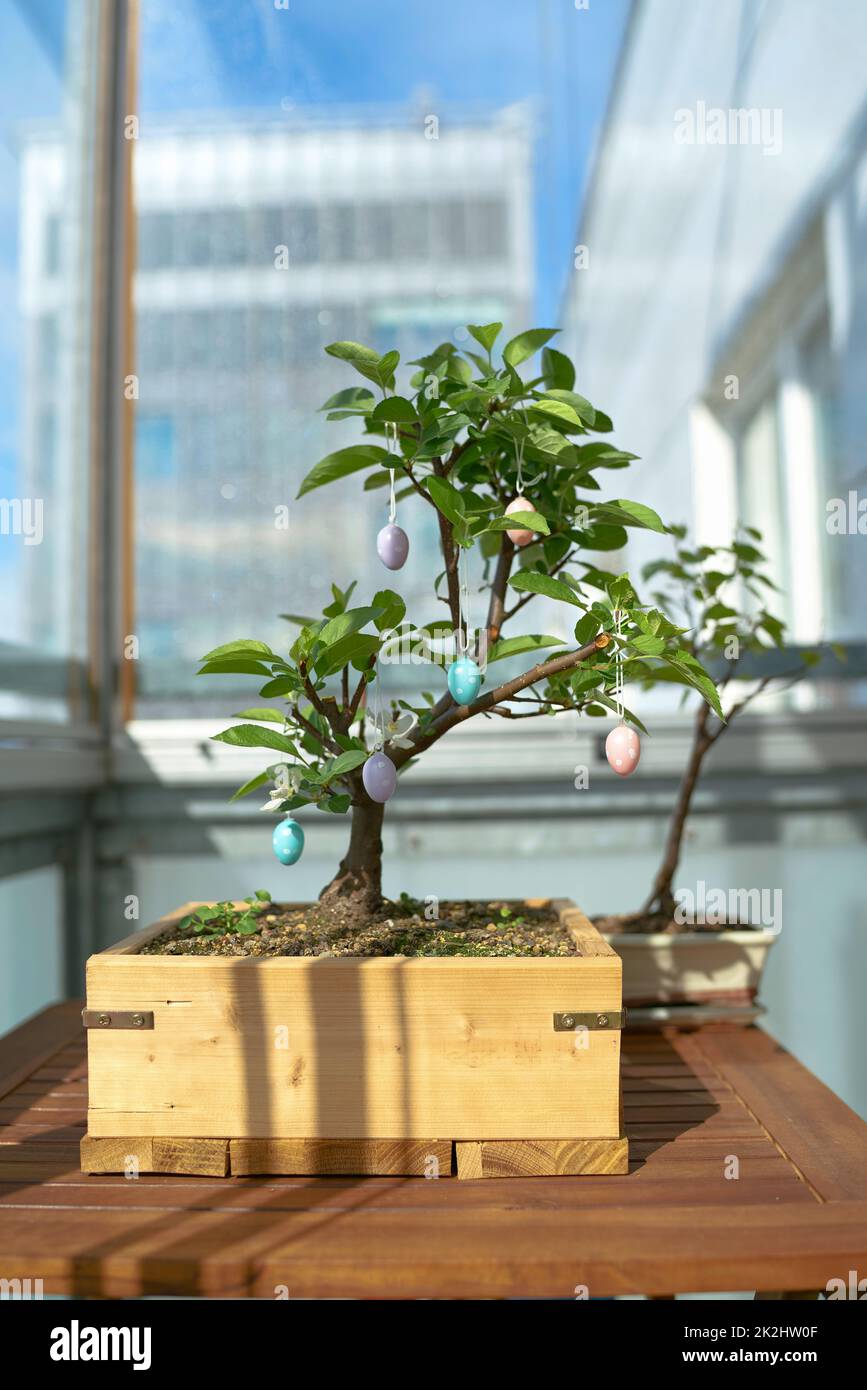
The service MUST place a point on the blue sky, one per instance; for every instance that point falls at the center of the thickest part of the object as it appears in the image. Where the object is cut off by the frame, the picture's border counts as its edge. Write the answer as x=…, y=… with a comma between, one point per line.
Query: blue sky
x=251, y=55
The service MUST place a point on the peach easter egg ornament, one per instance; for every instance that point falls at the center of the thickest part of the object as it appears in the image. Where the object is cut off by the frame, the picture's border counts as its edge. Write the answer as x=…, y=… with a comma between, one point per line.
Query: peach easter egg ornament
x=623, y=745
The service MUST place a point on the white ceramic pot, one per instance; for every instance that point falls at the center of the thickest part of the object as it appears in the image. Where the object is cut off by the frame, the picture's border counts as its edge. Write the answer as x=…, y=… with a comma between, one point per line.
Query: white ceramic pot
x=722, y=967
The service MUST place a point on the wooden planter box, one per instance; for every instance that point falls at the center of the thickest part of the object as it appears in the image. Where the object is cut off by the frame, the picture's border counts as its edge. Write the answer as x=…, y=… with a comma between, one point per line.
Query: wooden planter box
x=335, y=1064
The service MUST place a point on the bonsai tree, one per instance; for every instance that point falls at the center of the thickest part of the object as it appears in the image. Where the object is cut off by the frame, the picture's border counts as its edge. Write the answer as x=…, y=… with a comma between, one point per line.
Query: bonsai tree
x=457, y=441
x=721, y=593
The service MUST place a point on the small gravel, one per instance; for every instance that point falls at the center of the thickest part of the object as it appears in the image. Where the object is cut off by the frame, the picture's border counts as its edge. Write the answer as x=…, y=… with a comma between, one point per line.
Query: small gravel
x=401, y=929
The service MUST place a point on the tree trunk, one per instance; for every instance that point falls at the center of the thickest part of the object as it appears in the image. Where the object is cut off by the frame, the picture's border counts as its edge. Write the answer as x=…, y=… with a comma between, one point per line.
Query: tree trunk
x=662, y=896
x=358, y=881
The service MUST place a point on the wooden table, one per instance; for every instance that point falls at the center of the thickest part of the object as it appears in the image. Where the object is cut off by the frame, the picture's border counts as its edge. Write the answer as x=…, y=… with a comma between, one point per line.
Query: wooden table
x=699, y=1106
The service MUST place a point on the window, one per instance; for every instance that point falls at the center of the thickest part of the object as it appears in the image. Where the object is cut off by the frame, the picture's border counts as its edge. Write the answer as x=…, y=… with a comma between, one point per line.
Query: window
x=45, y=246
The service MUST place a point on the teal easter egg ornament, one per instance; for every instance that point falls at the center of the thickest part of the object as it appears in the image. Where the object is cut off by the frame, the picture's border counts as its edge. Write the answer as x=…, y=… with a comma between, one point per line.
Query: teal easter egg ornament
x=464, y=680
x=288, y=841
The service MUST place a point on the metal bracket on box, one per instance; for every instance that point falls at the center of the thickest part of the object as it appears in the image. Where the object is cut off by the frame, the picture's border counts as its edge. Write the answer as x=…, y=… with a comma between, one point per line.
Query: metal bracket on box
x=595, y=1022
x=117, y=1018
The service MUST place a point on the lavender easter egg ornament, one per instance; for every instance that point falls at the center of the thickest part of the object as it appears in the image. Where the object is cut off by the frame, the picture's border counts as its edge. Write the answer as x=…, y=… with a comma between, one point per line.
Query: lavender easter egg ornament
x=392, y=546
x=379, y=776
x=523, y=536
x=288, y=841
x=464, y=679
x=623, y=750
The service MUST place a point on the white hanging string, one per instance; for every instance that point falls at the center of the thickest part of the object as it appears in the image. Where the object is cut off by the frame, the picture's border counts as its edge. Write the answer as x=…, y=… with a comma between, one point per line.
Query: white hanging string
x=519, y=456
x=463, y=639
x=391, y=429
x=378, y=717
x=617, y=693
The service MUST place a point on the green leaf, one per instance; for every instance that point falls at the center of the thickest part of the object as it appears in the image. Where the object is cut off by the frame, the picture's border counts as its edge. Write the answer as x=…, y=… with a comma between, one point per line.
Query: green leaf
x=346, y=623
x=396, y=410
x=586, y=629
x=517, y=646
x=447, y=499
x=486, y=334
x=518, y=349
x=581, y=406
x=357, y=646
x=347, y=762
x=253, y=785
x=392, y=609
x=366, y=361
x=240, y=648
x=627, y=513
x=270, y=716
x=341, y=464
x=351, y=398
x=774, y=628
x=297, y=618
x=694, y=674
x=281, y=685
x=251, y=736
x=646, y=645
x=557, y=370
x=234, y=668
x=558, y=410
x=519, y=521
x=529, y=581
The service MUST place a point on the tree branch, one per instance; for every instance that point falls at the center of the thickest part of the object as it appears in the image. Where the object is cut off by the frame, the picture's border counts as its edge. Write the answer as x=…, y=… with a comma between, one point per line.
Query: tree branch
x=497, y=603
x=459, y=713
x=312, y=729
x=450, y=556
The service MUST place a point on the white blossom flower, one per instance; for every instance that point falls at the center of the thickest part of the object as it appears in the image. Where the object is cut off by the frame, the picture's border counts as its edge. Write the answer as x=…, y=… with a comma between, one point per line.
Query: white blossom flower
x=286, y=783
x=397, y=731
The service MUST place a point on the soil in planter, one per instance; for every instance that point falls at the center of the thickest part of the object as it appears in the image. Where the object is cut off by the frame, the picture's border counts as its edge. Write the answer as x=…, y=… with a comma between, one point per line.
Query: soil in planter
x=650, y=923
x=401, y=929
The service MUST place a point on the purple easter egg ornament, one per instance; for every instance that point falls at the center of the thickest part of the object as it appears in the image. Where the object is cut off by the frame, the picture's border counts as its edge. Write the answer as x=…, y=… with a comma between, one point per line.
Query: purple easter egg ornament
x=392, y=546
x=379, y=776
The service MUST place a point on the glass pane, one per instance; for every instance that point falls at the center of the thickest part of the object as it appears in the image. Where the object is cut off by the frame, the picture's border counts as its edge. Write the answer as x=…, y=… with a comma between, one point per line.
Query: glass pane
x=306, y=175
x=44, y=248
x=760, y=497
x=31, y=944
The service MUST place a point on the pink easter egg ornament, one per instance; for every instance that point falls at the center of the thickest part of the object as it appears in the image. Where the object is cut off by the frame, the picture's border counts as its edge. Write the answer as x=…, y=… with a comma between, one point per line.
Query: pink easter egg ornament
x=523, y=536
x=623, y=750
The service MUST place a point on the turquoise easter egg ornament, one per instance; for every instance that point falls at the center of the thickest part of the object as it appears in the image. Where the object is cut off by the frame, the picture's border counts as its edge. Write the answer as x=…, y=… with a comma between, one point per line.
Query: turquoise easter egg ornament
x=464, y=680
x=288, y=841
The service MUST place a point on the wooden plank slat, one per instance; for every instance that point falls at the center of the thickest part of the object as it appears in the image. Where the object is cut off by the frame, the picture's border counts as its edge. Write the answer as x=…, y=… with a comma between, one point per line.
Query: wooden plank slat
x=155, y=1155
x=429, y=1158
x=522, y=1158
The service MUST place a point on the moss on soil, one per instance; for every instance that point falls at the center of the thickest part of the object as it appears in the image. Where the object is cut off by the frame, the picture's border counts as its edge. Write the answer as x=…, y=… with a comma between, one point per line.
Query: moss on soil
x=400, y=929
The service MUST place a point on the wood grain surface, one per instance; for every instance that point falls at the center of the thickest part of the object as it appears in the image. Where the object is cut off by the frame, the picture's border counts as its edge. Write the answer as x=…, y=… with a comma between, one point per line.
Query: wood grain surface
x=745, y=1173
